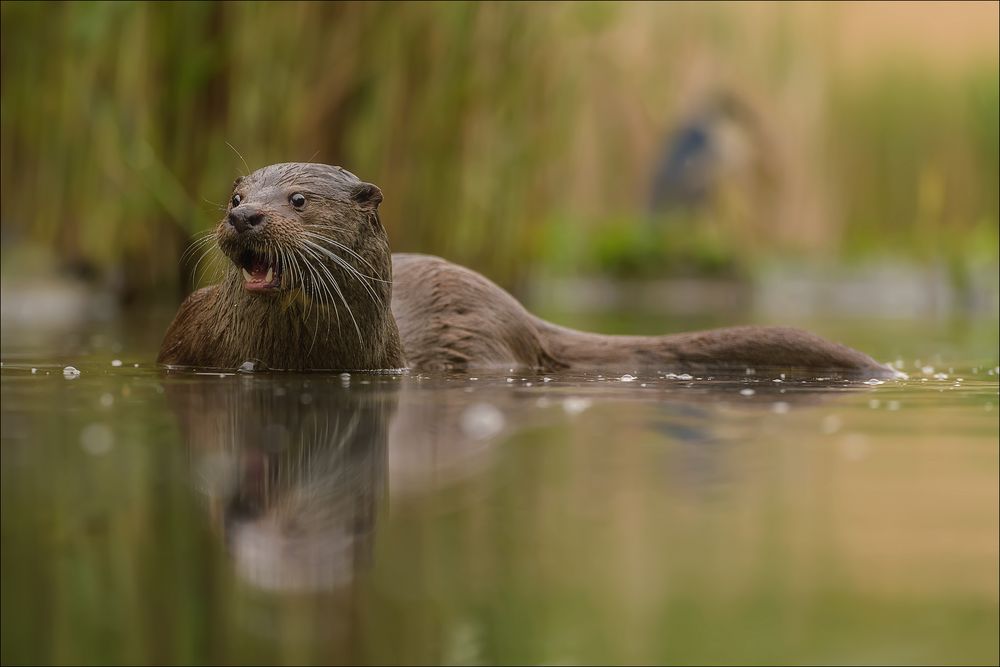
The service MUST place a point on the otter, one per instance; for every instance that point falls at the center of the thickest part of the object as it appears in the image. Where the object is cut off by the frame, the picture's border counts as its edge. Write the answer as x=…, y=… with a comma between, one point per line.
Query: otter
x=312, y=285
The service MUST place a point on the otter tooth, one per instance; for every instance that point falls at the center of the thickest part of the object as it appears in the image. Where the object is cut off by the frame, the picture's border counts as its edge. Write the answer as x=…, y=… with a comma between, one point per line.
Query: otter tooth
x=270, y=274
x=246, y=275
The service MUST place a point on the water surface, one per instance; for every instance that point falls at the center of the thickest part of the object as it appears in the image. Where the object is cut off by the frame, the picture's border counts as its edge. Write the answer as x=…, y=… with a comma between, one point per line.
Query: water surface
x=502, y=517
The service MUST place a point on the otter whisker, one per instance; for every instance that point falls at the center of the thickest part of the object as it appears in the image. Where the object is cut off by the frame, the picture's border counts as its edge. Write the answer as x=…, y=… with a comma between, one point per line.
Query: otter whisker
x=321, y=290
x=287, y=274
x=312, y=248
x=340, y=261
x=216, y=205
x=317, y=285
x=287, y=269
x=290, y=261
x=363, y=278
x=245, y=165
x=319, y=270
x=343, y=247
x=202, y=251
x=206, y=237
x=307, y=296
x=215, y=265
x=213, y=256
x=332, y=302
x=316, y=323
x=303, y=281
x=336, y=288
x=338, y=244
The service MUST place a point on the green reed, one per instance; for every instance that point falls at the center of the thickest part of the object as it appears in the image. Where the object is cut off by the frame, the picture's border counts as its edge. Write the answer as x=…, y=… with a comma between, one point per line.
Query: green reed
x=503, y=135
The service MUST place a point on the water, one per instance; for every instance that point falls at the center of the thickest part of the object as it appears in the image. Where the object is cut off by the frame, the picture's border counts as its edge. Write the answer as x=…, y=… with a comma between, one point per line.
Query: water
x=510, y=517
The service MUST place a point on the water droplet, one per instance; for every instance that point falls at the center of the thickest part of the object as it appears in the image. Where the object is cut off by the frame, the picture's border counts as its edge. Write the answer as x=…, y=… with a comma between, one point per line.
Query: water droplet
x=684, y=376
x=510, y=380
x=135, y=365
x=71, y=373
x=116, y=362
x=481, y=421
x=97, y=439
x=575, y=406
x=747, y=392
x=940, y=376
x=874, y=381
x=927, y=370
x=546, y=379
x=34, y=370
x=627, y=378
x=831, y=424
x=854, y=447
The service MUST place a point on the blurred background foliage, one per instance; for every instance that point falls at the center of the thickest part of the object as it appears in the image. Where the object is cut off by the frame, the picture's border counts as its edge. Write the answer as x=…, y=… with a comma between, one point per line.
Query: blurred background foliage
x=511, y=137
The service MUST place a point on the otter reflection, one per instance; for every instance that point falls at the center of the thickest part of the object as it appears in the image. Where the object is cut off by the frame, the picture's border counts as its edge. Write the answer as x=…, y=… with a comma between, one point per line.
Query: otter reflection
x=296, y=469
x=293, y=469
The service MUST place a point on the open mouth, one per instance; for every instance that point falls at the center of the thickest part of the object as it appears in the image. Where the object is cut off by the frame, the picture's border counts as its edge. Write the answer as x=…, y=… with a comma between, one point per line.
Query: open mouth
x=260, y=273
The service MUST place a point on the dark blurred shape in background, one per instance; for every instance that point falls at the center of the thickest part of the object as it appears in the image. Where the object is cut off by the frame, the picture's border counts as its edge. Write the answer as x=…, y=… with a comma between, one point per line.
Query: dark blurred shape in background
x=722, y=139
x=625, y=139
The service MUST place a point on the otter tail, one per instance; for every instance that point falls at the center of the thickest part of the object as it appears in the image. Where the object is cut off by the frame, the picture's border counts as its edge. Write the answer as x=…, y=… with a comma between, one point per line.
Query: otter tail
x=732, y=349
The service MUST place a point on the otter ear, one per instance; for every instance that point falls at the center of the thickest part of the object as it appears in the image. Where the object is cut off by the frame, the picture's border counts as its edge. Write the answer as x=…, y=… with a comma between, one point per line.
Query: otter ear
x=367, y=196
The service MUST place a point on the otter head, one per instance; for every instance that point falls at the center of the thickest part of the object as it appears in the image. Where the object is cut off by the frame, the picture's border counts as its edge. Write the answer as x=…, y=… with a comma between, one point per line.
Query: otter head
x=309, y=230
x=307, y=284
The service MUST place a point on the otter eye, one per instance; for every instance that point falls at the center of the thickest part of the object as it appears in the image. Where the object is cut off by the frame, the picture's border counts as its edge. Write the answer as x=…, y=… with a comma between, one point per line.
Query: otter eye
x=298, y=200
x=236, y=201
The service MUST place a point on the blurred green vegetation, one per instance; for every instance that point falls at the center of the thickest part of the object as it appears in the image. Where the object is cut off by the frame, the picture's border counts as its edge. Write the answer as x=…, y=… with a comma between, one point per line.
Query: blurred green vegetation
x=921, y=163
x=504, y=136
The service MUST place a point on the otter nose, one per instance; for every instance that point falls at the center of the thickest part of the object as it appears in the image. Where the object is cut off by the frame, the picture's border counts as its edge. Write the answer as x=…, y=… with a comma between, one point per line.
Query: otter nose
x=245, y=217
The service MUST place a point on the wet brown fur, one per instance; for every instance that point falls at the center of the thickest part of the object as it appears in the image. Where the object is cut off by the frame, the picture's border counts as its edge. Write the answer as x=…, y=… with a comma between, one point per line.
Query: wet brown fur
x=442, y=316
